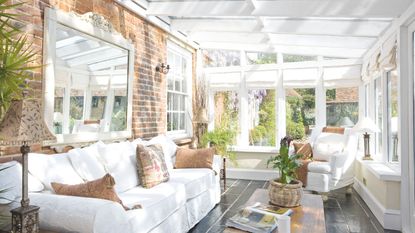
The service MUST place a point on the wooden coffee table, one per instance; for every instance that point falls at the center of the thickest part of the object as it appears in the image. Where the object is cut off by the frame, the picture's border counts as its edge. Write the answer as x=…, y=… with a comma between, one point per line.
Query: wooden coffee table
x=307, y=218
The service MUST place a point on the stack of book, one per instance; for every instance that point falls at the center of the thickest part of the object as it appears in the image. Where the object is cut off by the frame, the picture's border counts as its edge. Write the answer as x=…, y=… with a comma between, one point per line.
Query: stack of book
x=258, y=218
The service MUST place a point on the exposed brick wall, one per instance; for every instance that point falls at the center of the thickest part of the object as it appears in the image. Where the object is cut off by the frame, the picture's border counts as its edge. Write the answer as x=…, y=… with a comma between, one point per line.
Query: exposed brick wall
x=149, y=91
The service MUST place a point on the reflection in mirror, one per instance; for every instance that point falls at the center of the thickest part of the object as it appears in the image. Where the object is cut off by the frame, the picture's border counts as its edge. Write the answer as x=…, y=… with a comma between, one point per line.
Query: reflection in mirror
x=90, y=84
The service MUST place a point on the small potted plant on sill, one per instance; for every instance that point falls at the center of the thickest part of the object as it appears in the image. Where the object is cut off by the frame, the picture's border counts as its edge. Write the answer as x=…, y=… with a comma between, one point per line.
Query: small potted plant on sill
x=285, y=191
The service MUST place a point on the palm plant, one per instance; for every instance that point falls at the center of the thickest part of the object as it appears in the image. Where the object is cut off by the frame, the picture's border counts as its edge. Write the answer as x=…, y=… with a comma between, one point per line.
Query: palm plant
x=16, y=54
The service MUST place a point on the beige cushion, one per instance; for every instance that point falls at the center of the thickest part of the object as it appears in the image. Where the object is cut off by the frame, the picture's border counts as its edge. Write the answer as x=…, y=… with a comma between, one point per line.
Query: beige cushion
x=303, y=149
x=191, y=158
x=102, y=188
x=151, y=166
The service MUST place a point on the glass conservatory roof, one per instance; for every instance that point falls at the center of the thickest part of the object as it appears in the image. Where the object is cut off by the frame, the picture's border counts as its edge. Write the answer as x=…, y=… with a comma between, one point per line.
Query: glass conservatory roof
x=308, y=27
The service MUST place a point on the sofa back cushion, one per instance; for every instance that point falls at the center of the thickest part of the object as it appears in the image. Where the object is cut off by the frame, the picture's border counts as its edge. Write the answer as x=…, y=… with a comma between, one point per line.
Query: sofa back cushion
x=152, y=169
x=119, y=159
x=190, y=158
x=328, y=144
x=86, y=162
x=102, y=188
x=331, y=129
x=52, y=168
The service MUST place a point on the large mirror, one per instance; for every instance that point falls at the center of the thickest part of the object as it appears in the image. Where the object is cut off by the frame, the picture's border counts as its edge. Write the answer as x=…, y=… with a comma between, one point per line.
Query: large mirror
x=87, y=79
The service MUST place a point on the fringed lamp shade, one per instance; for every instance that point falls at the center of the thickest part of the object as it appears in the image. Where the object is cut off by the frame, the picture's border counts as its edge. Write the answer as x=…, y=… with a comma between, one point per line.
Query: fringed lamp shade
x=23, y=123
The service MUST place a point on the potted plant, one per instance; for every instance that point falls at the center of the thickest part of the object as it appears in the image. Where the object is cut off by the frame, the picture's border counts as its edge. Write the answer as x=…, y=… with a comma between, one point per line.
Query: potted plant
x=285, y=191
x=220, y=138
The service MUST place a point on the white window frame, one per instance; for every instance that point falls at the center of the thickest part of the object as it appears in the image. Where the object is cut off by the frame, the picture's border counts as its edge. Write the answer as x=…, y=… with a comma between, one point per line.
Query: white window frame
x=187, y=55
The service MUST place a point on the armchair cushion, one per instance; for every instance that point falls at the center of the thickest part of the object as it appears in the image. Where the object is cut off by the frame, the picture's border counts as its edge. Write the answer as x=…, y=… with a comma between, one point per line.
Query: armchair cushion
x=328, y=144
x=319, y=167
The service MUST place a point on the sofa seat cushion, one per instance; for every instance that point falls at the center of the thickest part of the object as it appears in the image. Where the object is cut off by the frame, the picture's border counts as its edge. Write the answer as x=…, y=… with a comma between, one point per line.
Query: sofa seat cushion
x=195, y=181
x=157, y=203
x=319, y=167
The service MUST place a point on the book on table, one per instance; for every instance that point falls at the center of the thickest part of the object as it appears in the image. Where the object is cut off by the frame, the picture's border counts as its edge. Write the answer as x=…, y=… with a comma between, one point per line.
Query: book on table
x=258, y=218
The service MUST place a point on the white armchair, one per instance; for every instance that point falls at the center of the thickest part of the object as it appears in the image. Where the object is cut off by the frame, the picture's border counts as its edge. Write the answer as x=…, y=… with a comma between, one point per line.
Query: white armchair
x=333, y=165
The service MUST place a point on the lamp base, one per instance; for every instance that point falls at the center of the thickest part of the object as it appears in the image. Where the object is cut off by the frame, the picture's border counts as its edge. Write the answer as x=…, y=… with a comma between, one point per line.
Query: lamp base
x=367, y=157
x=25, y=219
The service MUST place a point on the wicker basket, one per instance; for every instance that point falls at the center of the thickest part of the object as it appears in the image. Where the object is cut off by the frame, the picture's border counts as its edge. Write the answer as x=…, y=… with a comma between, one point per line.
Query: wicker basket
x=286, y=195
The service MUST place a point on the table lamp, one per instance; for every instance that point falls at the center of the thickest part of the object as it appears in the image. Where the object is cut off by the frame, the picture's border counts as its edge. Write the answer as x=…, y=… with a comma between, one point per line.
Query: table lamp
x=366, y=125
x=23, y=125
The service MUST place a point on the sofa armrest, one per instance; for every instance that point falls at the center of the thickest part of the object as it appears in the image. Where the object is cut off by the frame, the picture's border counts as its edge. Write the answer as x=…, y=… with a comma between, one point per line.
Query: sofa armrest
x=79, y=214
x=217, y=163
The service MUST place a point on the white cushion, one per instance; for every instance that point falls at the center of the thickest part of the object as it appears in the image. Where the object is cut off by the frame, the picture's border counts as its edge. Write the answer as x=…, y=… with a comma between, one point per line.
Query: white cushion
x=158, y=204
x=195, y=181
x=169, y=148
x=120, y=160
x=10, y=182
x=327, y=144
x=86, y=162
x=53, y=168
x=319, y=167
x=6, y=216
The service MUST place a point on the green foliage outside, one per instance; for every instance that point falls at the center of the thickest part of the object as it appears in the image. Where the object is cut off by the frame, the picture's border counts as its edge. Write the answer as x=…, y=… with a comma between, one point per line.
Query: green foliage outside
x=15, y=56
x=226, y=128
x=266, y=127
x=284, y=163
x=300, y=112
x=298, y=58
x=263, y=58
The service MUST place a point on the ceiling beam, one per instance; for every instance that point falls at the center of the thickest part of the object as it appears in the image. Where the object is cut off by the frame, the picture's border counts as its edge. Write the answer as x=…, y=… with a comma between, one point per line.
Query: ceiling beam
x=281, y=8
x=288, y=49
x=95, y=57
x=286, y=39
x=334, y=27
x=108, y=63
x=330, y=8
x=200, y=8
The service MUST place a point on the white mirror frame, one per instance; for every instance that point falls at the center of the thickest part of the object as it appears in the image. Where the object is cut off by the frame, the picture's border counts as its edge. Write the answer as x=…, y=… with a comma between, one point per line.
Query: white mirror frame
x=95, y=26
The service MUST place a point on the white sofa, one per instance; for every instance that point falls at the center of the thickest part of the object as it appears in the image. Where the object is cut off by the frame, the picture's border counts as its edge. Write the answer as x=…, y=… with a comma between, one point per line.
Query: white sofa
x=339, y=152
x=173, y=206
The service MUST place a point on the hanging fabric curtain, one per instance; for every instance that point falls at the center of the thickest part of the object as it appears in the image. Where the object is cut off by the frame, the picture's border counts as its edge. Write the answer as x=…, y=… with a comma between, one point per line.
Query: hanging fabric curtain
x=374, y=64
x=388, y=56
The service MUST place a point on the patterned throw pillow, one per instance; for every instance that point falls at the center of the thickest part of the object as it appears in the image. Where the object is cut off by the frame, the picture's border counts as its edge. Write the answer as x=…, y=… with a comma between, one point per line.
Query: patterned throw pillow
x=102, y=188
x=151, y=166
x=189, y=158
x=303, y=149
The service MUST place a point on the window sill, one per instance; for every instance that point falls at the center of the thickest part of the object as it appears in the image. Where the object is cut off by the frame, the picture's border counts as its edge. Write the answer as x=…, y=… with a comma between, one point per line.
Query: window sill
x=254, y=149
x=381, y=170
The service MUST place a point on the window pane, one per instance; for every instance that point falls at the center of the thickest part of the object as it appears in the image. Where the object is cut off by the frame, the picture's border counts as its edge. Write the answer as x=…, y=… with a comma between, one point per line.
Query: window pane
x=227, y=111
x=177, y=85
x=99, y=99
x=175, y=121
x=169, y=122
x=300, y=104
x=367, y=90
x=261, y=58
x=297, y=58
x=182, y=104
x=58, y=110
x=175, y=102
x=261, y=110
x=393, y=115
x=170, y=83
x=221, y=58
x=378, y=114
x=169, y=101
x=76, y=108
x=119, y=113
x=182, y=121
x=342, y=106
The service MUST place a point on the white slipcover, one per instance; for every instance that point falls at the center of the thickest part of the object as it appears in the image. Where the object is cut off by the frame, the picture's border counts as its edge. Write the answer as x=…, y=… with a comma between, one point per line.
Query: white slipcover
x=53, y=168
x=119, y=159
x=195, y=181
x=85, y=162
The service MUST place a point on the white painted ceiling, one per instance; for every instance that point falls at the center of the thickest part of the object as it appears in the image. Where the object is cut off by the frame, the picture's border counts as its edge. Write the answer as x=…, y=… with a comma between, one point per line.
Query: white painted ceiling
x=337, y=28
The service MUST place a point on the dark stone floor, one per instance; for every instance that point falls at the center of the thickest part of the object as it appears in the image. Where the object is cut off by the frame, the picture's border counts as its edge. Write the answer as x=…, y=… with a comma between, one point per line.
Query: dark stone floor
x=343, y=213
